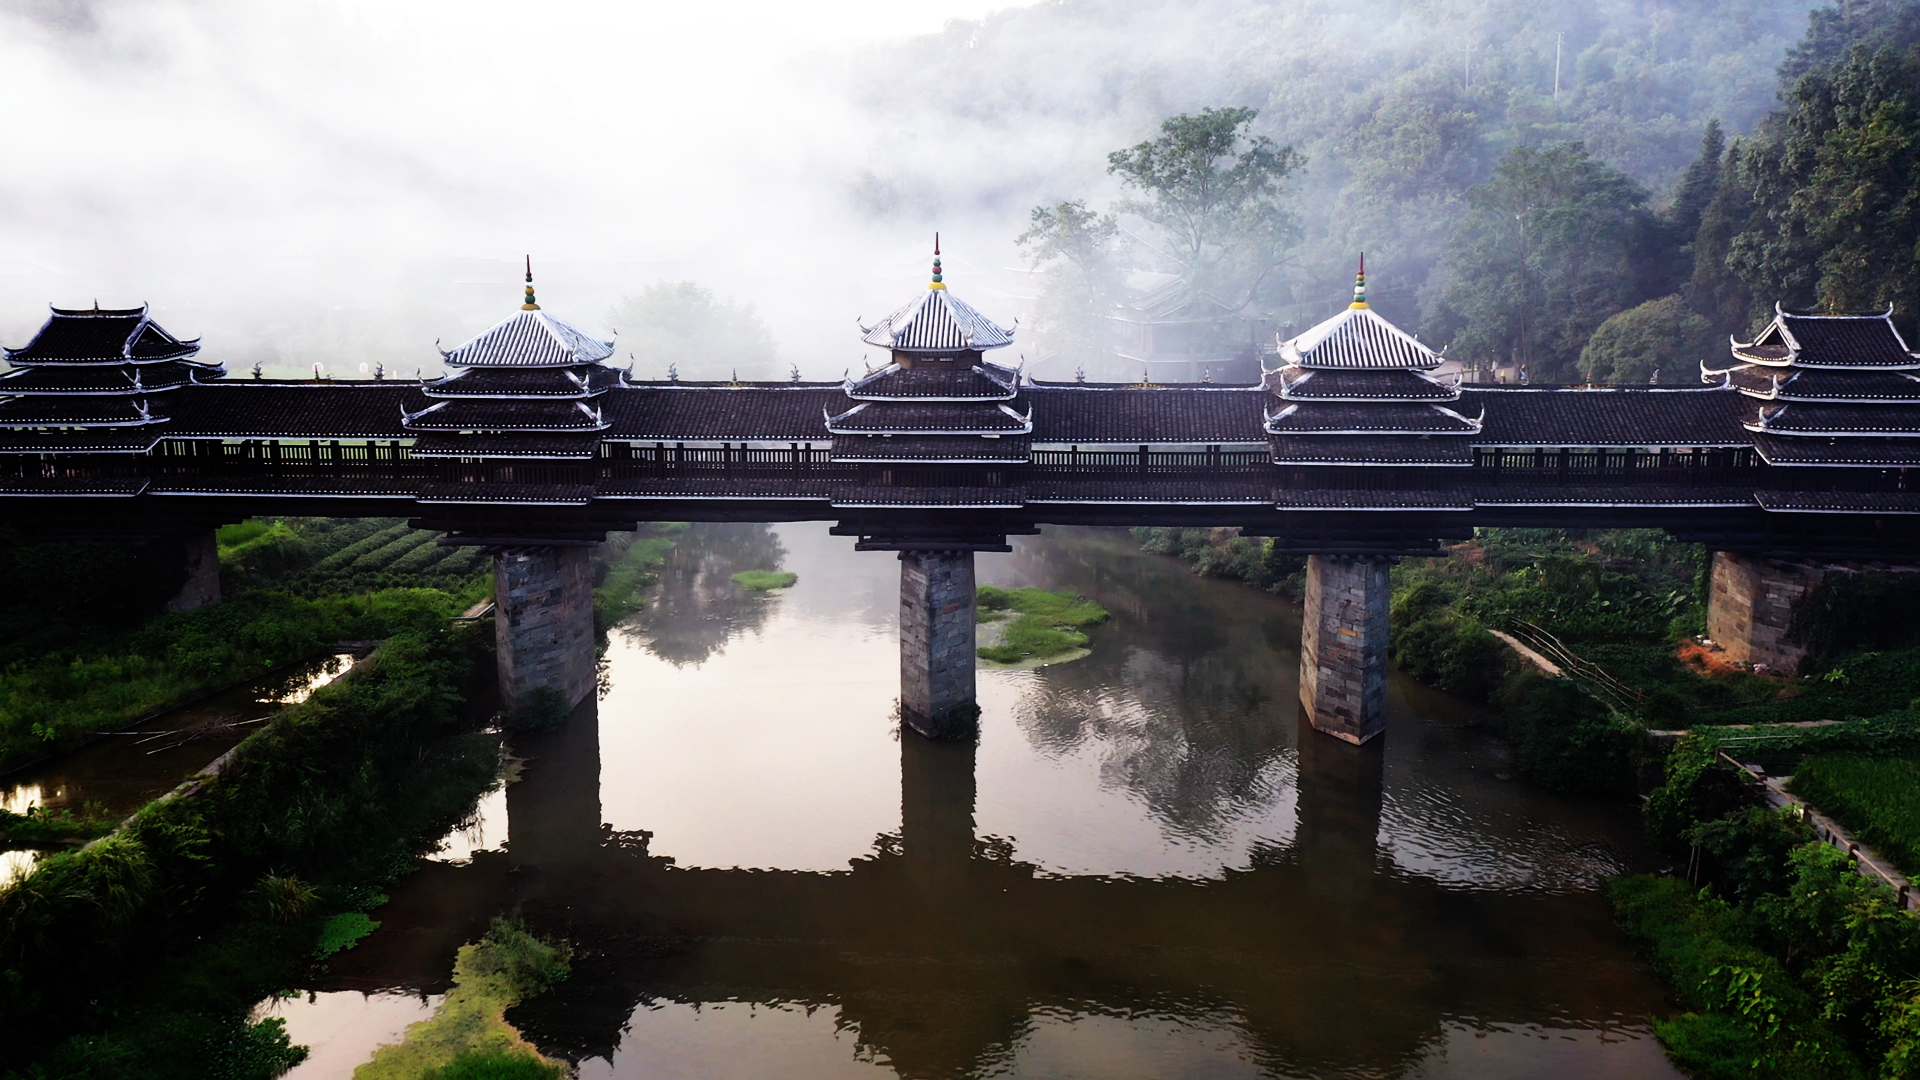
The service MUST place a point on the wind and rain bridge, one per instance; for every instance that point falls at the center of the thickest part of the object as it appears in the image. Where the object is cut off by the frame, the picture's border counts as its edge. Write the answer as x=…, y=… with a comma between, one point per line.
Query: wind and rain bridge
x=1797, y=456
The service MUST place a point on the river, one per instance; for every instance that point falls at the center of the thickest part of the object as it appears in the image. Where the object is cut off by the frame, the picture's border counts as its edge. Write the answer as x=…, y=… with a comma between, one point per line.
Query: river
x=1145, y=867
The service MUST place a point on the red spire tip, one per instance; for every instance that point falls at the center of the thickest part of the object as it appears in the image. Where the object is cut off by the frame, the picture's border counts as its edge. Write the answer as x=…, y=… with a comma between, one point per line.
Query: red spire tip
x=936, y=243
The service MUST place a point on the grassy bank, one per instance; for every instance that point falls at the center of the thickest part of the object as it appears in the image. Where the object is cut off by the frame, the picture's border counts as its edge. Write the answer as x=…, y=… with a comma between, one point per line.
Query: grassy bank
x=62, y=698
x=1877, y=799
x=140, y=956
x=1039, y=624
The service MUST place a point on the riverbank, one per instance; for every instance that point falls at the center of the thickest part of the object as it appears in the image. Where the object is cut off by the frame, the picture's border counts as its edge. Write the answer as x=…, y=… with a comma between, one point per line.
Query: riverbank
x=142, y=954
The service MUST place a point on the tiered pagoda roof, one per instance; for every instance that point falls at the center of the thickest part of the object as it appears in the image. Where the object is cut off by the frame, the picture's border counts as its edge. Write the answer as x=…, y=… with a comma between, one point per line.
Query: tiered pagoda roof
x=526, y=387
x=938, y=401
x=95, y=378
x=1351, y=388
x=1839, y=389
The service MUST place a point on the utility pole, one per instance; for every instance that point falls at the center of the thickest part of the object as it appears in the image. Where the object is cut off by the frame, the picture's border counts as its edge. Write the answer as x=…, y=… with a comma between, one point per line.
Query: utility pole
x=1557, y=39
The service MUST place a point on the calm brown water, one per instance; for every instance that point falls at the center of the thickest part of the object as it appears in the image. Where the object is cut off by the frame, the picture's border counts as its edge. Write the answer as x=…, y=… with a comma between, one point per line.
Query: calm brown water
x=1146, y=867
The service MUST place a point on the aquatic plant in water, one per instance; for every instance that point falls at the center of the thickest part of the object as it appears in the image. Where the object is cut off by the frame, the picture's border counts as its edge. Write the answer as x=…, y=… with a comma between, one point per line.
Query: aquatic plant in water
x=1044, y=624
x=765, y=580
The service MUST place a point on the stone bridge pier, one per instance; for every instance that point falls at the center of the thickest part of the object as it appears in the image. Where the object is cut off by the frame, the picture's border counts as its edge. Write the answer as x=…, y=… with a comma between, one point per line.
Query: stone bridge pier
x=1343, y=646
x=543, y=622
x=937, y=643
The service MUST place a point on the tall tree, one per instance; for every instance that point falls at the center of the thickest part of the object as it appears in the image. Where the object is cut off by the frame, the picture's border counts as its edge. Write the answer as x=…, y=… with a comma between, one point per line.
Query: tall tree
x=1074, y=245
x=1719, y=295
x=1696, y=189
x=1552, y=244
x=1835, y=181
x=1213, y=193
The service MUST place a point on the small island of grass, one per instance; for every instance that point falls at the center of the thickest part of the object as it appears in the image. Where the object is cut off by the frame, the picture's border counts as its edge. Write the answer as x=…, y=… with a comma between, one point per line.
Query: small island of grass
x=1034, y=624
x=764, y=580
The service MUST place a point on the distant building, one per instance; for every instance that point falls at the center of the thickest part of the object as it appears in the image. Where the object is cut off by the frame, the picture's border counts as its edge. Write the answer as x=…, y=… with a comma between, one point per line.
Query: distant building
x=1175, y=334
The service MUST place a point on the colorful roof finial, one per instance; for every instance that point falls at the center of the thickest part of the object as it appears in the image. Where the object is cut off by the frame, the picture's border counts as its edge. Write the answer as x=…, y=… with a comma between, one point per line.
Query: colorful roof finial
x=1360, y=285
x=530, y=305
x=937, y=284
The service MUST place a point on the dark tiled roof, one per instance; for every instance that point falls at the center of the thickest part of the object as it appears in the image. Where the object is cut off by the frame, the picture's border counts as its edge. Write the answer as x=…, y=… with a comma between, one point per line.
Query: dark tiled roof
x=116, y=440
x=97, y=336
x=1677, y=495
x=927, y=448
x=935, y=379
x=90, y=487
x=1357, y=338
x=1192, y=491
x=937, y=322
x=1360, y=499
x=495, y=414
x=1815, y=384
x=264, y=409
x=100, y=380
x=530, y=339
x=1805, y=450
x=90, y=411
x=574, y=382
x=803, y=489
x=792, y=413
x=1637, y=417
x=1386, y=417
x=855, y=497
x=520, y=494
x=1828, y=418
x=1846, y=341
x=1840, y=502
x=312, y=487
x=928, y=416
x=516, y=445
x=1370, y=450
x=1125, y=415
x=1308, y=384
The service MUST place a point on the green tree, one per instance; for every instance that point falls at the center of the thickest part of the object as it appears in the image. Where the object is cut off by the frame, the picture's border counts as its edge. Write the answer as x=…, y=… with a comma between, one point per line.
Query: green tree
x=1713, y=290
x=1552, y=244
x=1213, y=194
x=683, y=324
x=1696, y=190
x=1660, y=335
x=1074, y=245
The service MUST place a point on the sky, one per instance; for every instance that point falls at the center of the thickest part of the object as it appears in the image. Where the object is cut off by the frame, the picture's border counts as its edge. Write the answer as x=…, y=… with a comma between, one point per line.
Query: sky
x=345, y=182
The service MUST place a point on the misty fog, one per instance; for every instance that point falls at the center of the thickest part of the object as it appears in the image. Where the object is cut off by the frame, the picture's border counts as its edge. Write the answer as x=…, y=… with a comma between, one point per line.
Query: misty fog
x=344, y=183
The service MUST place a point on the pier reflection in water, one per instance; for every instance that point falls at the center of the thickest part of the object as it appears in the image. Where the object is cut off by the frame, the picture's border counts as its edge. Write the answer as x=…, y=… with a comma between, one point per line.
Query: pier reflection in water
x=1147, y=865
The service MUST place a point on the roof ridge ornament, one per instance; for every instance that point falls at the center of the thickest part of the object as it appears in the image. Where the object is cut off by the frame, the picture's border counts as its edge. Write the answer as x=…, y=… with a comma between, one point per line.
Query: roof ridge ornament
x=531, y=304
x=1359, y=285
x=937, y=283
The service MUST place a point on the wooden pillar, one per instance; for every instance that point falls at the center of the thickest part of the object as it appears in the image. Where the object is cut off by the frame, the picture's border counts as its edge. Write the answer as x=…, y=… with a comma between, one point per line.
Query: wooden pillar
x=936, y=644
x=543, y=623
x=1343, y=646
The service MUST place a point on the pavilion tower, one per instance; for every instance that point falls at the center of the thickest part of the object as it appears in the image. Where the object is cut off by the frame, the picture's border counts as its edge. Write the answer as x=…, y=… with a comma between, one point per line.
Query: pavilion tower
x=1349, y=393
x=519, y=420
x=100, y=381
x=926, y=432
x=1833, y=400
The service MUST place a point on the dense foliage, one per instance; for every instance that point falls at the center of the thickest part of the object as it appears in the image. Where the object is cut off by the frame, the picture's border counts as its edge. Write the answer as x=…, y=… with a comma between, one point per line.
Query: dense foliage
x=141, y=955
x=1790, y=963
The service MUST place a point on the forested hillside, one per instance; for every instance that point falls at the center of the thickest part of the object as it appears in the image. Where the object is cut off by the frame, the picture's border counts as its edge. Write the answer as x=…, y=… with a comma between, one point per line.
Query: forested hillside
x=1518, y=173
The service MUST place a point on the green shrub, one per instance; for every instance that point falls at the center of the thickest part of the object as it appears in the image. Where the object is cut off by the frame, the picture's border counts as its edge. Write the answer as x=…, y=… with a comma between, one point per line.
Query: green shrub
x=343, y=931
x=496, y=1065
x=1567, y=741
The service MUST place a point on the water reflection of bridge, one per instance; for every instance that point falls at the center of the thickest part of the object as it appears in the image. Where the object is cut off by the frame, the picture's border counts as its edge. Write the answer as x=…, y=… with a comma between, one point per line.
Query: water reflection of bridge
x=942, y=948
